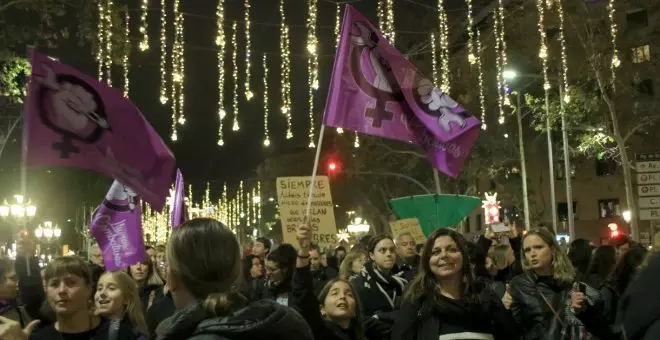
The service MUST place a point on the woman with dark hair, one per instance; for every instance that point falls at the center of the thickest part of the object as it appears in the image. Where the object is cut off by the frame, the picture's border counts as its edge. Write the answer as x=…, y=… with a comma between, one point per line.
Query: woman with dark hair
x=580, y=252
x=602, y=262
x=611, y=291
x=149, y=283
x=334, y=315
x=280, y=264
x=445, y=301
x=253, y=273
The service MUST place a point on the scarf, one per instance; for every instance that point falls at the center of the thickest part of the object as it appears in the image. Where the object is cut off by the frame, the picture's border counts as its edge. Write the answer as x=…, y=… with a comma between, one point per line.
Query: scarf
x=392, y=281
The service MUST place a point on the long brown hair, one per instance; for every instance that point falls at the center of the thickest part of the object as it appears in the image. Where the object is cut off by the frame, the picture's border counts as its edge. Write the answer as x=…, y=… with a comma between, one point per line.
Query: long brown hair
x=356, y=323
x=425, y=285
x=562, y=269
x=133, y=306
x=346, y=267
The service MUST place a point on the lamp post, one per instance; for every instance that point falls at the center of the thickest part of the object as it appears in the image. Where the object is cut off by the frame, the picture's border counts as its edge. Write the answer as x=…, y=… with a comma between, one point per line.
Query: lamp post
x=21, y=210
x=48, y=232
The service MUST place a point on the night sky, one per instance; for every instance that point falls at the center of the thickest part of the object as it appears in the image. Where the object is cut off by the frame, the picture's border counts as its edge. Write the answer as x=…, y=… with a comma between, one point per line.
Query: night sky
x=196, y=151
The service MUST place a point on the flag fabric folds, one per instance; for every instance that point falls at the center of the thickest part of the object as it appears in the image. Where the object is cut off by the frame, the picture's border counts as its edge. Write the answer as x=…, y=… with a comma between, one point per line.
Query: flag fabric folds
x=178, y=206
x=73, y=120
x=117, y=227
x=374, y=90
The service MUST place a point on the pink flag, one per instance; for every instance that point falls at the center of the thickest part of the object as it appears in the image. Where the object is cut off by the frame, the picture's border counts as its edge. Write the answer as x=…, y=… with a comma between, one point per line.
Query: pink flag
x=73, y=120
x=375, y=90
x=117, y=227
x=178, y=206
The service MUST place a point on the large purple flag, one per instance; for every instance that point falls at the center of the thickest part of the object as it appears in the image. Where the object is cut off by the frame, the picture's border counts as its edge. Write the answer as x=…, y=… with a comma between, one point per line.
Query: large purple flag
x=73, y=120
x=178, y=208
x=375, y=90
x=117, y=227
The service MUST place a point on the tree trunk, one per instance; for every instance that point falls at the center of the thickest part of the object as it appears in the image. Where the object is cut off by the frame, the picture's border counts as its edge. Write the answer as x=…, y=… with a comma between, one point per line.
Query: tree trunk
x=627, y=180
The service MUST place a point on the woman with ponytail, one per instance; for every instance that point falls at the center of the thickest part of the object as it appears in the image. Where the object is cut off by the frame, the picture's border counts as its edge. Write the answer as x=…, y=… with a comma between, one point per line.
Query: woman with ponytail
x=204, y=265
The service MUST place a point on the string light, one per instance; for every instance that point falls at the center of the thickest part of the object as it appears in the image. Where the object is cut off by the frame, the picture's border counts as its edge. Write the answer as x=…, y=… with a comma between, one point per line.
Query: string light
x=543, y=49
x=144, y=11
x=616, y=62
x=312, y=64
x=564, y=60
x=234, y=63
x=180, y=64
x=499, y=66
x=337, y=36
x=178, y=72
x=266, y=133
x=108, y=41
x=389, y=12
x=100, y=39
x=482, y=97
x=220, y=42
x=241, y=201
x=248, y=47
x=286, y=71
x=259, y=203
x=163, y=52
x=382, y=18
x=443, y=34
x=472, y=58
x=127, y=51
x=356, y=142
x=434, y=61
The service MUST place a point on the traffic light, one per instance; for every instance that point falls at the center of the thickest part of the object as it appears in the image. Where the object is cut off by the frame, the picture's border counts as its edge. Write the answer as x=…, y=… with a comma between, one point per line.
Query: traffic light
x=614, y=230
x=333, y=167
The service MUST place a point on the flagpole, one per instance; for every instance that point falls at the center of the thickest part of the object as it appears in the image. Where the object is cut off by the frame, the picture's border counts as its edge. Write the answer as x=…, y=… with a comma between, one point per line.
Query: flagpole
x=436, y=178
x=314, y=170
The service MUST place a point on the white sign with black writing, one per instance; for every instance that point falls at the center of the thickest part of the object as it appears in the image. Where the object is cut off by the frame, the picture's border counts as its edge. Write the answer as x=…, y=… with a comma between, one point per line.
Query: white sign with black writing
x=649, y=166
x=649, y=202
x=648, y=178
x=648, y=190
x=649, y=214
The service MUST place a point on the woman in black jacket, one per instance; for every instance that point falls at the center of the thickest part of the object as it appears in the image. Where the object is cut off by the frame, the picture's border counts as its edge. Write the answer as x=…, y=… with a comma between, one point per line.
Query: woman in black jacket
x=542, y=293
x=444, y=301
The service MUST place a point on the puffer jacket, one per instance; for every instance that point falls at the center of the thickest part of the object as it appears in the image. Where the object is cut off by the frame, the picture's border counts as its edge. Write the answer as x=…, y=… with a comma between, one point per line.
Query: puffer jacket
x=537, y=319
x=262, y=319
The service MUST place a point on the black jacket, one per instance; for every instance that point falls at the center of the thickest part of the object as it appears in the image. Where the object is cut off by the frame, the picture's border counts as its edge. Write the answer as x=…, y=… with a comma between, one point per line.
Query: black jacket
x=508, y=273
x=372, y=291
x=159, y=311
x=447, y=318
x=260, y=320
x=536, y=317
x=639, y=310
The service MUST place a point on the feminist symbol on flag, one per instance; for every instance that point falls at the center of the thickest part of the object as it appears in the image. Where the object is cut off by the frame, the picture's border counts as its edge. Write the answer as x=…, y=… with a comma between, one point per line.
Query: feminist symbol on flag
x=383, y=88
x=71, y=108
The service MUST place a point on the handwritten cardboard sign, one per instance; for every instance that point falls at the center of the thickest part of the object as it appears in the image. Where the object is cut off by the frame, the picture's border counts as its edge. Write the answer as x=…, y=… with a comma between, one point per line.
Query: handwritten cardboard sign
x=292, y=195
x=408, y=225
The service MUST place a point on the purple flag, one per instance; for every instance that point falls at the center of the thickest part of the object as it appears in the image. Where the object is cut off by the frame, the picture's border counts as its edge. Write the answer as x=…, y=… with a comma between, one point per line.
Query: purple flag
x=117, y=227
x=375, y=90
x=73, y=120
x=178, y=207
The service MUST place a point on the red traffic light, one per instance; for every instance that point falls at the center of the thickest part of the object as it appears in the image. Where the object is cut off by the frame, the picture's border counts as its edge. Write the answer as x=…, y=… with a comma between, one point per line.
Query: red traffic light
x=332, y=166
x=614, y=233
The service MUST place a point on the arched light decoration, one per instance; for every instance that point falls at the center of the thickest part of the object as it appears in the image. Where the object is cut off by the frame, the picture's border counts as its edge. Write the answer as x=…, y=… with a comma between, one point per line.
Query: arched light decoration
x=178, y=72
x=127, y=51
x=499, y=65
x=472, y=58
x=234, y=62
x=543, y=49
x=221, y=43
x=108, y=41
x=443, y=35
x=564, y=60
x=434, y=60
x=163, y=53
x=616, y=62
x=482, y=97
x=285, y=54
x=312, y=64
x=389, y=13
x=104, y=39
x=248, y=48
x=266, y=111
x=144, y=12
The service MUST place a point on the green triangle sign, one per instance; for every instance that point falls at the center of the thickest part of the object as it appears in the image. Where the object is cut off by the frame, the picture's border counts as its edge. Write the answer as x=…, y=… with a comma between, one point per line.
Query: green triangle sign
x=435, y=211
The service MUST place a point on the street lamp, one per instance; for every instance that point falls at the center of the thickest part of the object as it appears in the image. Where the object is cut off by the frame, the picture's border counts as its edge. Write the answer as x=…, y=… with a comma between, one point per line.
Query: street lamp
x=19, y=209
x=627, y=216
x=509, y=74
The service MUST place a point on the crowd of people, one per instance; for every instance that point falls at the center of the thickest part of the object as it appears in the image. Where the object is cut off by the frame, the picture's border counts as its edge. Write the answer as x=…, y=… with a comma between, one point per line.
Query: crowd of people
x=204, y=285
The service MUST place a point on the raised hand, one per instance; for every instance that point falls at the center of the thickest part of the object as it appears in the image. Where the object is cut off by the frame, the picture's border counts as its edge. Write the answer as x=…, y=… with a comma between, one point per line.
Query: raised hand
x=11, y=330
x=304, y=236
x=507, y=300
x=577, y=299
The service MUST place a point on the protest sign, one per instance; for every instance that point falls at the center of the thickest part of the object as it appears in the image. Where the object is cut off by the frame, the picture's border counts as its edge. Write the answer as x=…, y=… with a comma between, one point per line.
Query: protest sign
x=408, y=225
x=292, y=193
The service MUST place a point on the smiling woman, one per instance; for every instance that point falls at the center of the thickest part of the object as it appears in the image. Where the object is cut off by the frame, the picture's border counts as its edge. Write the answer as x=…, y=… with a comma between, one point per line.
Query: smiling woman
x=117, y=298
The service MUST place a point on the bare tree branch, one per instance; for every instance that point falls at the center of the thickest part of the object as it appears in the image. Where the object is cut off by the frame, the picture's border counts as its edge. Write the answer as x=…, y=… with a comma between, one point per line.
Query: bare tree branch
x=11, y=3
x=643, y=123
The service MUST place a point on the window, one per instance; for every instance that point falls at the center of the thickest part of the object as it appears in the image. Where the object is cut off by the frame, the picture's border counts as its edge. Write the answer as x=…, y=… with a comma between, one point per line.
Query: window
x=645, y=87
x=641, y=54
x=562, y=211
x=559, y=171
x=637, y=19
x=605, y=167
x=609, y=208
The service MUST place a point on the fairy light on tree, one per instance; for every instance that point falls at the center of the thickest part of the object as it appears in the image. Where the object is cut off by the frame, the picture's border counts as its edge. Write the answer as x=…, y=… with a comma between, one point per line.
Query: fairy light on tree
x=248, y=48
x=144, y=12
x=613, y=31
x=100, y=40
x=181, y=66
x=482, y=97
x=382, y=17
x=443, y=34
x=234, y=63
x=389, y=15
x=337, y=36
x=543, y=49
x=472, y=58
x=564, y=60
x=286, y=70
x=434, y=60
x=108, y=28
x=312, y=64
x=163, y=52
x=266, y=130
x=127, y=51
x=499, y=66
x=356, y=142
x=176, y=90
x=221, y=43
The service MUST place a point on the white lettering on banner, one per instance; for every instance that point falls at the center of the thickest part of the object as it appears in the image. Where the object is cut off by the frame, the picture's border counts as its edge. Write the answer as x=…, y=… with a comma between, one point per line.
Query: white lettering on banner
x=292, y=194
x=115, y=233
